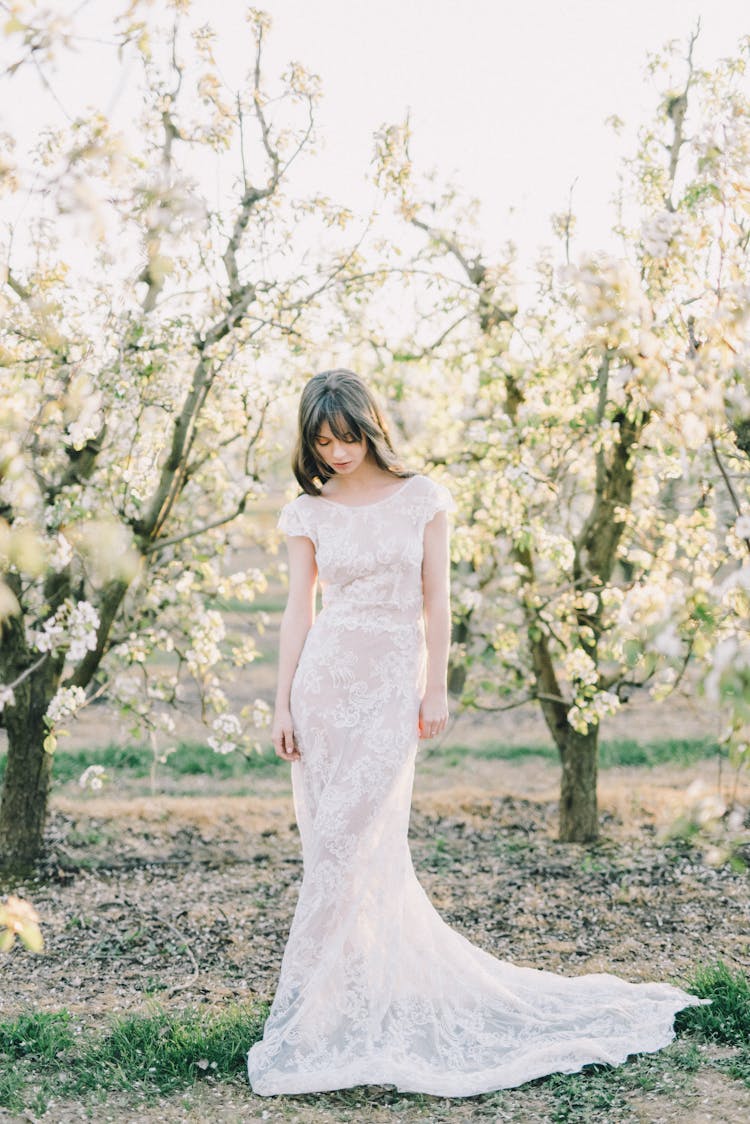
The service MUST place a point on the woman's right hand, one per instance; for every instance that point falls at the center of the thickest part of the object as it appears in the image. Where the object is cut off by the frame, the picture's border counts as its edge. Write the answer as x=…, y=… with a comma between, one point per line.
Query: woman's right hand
x=282, y=735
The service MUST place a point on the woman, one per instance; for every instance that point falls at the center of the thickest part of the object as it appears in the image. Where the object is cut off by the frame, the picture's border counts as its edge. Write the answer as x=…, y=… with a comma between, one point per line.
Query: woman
x=375, y=988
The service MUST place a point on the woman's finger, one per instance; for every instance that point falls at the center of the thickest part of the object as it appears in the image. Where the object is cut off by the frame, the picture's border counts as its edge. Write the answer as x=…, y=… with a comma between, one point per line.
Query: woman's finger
x=280, y=743
x=290, y=746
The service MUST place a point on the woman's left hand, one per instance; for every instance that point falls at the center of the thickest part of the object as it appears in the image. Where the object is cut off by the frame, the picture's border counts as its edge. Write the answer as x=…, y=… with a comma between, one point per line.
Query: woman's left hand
x=433, y=713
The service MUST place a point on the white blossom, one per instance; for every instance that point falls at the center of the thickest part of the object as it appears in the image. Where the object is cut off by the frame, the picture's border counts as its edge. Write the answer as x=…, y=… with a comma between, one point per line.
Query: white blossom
x=61, y=554
x=72, y=627
x=694, y=430
x=84, y=402
x=227, y=730
x=668, y=641
x=588, y=601
x=65, y=703
x=611, y=293
x=470, y=599
x=207, y=632
x=730, y=668
x=590, y=711
x=261, y=713
x=93, y=777
x=164, y=720
x=657, y=231
x=243, y=585
x=579, y=666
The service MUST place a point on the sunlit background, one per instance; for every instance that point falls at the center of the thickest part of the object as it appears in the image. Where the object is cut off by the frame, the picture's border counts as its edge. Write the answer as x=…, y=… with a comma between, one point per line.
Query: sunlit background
x=509, y=100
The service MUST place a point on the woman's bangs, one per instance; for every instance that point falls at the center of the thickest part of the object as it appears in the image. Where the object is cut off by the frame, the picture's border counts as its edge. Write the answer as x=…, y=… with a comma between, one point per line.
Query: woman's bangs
x=341, y=422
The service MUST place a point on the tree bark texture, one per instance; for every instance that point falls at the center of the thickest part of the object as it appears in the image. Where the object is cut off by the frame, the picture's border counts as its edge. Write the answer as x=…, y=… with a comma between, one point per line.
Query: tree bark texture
x=23, y=809
x=579, y=817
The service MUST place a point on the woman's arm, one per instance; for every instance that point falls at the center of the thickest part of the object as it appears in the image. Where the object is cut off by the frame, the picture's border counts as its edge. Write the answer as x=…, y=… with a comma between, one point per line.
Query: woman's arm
x=433, y=713
x=296, y=622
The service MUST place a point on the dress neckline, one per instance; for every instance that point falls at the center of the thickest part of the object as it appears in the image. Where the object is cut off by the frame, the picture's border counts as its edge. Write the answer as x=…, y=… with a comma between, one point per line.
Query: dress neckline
x=375, y=503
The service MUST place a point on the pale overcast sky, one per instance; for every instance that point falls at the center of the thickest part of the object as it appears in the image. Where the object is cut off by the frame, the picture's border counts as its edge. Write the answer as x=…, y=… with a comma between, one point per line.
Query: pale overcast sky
x=508, y=97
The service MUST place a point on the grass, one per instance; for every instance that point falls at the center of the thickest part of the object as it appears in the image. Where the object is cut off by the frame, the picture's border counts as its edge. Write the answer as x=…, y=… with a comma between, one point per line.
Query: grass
x=190, y=759
x=173, y=1050
x=196, y=759
x=601, y=1093
x=39, y=1037
x=738, y=1066
x=727, y=1018
x=161, y=1052
x=619, y=752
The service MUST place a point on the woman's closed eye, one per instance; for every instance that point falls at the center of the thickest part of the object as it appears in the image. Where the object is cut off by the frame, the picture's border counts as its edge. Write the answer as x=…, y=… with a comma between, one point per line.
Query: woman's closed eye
x=347, y=438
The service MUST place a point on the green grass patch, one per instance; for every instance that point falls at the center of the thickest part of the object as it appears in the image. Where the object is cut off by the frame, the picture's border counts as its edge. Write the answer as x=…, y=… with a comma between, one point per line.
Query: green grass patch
x=31, y=1049
x=727, y=1018
x=190, y=759
x=604, y=1093
x=171, y=1051
x=737, y=1067
x=48, y=1055
x=196, y=759
x=40, y=1037
x=160, y=1052
x=667, y=751
x=12, y=1088
x=618, y=752
x=454, y=754
x=587, y=1096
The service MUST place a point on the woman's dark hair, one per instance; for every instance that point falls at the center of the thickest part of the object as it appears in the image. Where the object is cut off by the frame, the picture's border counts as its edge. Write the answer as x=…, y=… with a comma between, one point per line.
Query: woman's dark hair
x=343, y=400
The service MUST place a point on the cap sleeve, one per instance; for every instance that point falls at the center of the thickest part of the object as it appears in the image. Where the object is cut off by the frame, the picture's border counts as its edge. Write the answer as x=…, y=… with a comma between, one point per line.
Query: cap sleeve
x=292, y=521
x=435, y=498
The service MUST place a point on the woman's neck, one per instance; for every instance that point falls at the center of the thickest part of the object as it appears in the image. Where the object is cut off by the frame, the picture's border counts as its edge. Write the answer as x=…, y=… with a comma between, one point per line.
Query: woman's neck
x=366, y=480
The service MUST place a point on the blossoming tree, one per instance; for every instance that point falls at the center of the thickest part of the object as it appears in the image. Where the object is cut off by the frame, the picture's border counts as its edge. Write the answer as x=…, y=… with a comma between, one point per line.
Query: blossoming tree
x=598, y=435
x=142, y=329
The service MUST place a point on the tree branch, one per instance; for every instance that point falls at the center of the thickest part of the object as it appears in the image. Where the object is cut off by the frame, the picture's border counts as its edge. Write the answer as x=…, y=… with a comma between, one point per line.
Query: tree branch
x=109, y=603
x=19, y=289
x=728, y=482
x=159, y=544
x=676, y=111
x=519, y=702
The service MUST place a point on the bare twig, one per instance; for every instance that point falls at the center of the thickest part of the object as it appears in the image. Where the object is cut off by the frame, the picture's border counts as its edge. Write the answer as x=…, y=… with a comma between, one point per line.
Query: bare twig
x=728, y=482
x=159, y=544
x=676, y=111
x=535, y=697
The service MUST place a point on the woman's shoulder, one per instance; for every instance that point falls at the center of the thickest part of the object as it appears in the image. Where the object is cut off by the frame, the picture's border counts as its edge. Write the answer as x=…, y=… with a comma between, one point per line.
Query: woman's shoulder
x=300, y=500
x=296, y=504
x=430, y=494
x=295, y=516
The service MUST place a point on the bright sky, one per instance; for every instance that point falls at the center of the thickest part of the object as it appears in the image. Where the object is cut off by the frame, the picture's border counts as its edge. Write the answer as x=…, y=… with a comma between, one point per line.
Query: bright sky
x=508, y=97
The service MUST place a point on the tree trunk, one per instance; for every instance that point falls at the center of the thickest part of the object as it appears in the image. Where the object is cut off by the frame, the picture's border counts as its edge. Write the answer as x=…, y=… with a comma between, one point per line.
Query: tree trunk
x=23, y=809
x=579, y=817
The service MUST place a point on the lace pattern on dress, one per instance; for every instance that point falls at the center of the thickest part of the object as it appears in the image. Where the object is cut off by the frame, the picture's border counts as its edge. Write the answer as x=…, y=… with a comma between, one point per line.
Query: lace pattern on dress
x=375, y=987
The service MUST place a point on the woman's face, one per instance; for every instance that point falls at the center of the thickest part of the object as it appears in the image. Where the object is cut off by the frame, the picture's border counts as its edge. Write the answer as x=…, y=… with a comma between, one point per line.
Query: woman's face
x=343, y=455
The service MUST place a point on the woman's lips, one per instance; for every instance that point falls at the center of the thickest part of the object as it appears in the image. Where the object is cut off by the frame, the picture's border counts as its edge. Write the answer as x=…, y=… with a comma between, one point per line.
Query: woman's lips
x=343, y=464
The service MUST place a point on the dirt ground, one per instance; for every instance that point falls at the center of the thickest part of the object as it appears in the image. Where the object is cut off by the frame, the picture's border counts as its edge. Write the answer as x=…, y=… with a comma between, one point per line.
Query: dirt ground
x=189, y=899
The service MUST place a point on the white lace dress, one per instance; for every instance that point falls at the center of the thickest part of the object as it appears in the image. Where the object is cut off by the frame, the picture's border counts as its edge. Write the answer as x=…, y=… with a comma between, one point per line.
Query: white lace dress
x=375, y=987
